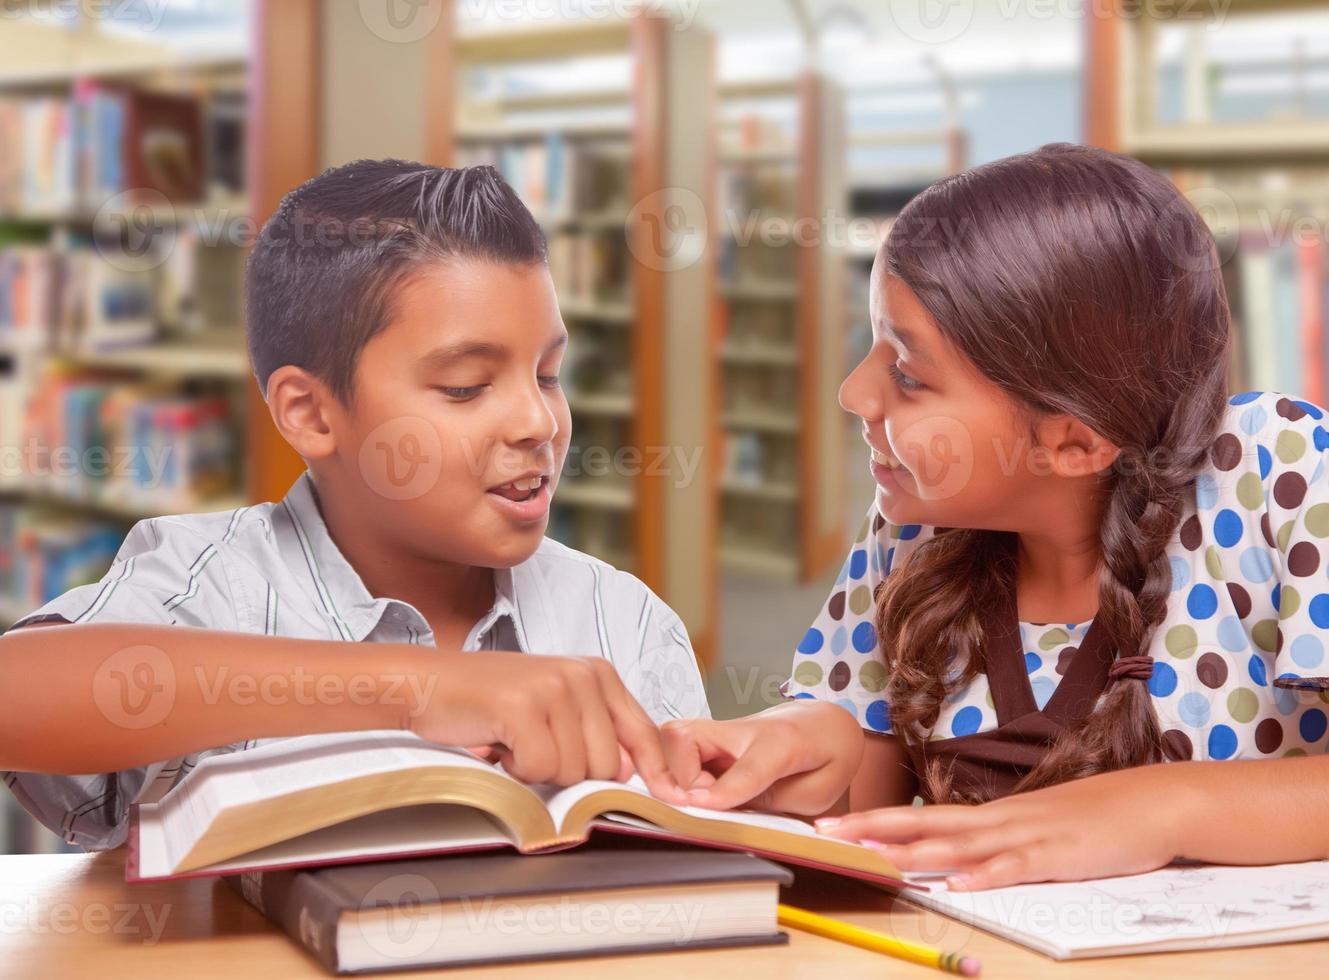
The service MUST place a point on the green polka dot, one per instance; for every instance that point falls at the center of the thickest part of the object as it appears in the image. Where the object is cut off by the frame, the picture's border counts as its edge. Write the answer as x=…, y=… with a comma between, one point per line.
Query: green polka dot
x=1250, y=491
x=1317, y=520
x=1242, y=704
x=872, y=676
x=1292, y=752
x=1181, y=641
x=1213, y=564
x=808, y=673
x=1290, y=446
x=1284, y=535
x=859, y=600
x=1053, y=638
x=992, y=705
x=1265, y=634
x=1289, y=601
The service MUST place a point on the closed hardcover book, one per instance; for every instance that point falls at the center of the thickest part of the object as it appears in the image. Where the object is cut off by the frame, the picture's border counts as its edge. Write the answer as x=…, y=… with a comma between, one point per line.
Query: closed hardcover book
x=448, y=911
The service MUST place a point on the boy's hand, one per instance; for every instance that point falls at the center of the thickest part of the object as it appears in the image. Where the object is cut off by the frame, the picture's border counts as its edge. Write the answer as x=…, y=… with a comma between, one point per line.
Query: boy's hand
x=797, y=757
x=549, y=719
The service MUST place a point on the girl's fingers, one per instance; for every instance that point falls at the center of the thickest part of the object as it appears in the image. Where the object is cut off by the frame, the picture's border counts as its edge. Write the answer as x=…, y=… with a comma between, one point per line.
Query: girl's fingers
x=681, y=751
x=904, y=824
x=960, y=852
x=1016, y=866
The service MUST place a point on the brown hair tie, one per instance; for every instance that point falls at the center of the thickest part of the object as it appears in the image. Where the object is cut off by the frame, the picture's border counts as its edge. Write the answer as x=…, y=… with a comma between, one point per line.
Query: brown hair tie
x=1132, y=668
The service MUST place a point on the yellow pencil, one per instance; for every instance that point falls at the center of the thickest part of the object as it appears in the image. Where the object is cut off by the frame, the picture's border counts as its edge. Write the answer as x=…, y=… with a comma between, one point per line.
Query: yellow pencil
x=878, y=942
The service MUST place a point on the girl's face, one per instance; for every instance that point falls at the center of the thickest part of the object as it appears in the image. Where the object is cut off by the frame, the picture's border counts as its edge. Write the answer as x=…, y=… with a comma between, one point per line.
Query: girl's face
x=949, y=447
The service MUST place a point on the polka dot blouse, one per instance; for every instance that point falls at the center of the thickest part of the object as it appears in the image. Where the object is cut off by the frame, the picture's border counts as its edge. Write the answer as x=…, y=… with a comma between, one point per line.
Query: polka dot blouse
x=1240, y=668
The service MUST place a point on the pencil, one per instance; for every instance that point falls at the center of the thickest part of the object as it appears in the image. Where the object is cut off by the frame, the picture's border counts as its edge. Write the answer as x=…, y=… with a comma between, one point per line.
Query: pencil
x=878, y=942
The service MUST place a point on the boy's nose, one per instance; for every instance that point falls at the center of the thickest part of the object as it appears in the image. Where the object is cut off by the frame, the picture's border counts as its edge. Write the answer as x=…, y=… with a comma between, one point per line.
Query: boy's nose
x=534, y=420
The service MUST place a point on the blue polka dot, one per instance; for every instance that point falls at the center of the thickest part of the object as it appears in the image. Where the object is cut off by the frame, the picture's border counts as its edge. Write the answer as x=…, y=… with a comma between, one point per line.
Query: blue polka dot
x=1244, y=397
x=1266, y=459
x=1319, y=611
x=1201, y=603
x=1313, y=724
x=879, y=559
x=865, y=637
x=811, y=642
x=805, y=696
x=1307, y=651
x=1231, y=634
x=858, y=564
x=1285, y=701
x=1181, y=573
x=1227, y=527
x=1206, y=491
x=910, y=531
x=848, y=706
x=890, y=560
x=1163, y=681
x=1032, y=662
x=1275, y=594
x=1321, y=438
x=1312, y=410
x=839, y=640
x=1042, y=688
x=1259, y=673
x=1222, y=742
x=1256, y=565
x=878, y=716
x=1253, y=419
x=1193, y=709
x=966, y=721
x=844, y=573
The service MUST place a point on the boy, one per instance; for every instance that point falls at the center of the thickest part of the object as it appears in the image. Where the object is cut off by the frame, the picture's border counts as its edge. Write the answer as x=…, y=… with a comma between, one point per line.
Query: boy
x=403, y=326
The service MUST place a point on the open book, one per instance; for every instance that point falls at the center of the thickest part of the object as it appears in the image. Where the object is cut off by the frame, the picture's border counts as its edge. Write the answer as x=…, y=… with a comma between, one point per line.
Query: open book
x=333, y=799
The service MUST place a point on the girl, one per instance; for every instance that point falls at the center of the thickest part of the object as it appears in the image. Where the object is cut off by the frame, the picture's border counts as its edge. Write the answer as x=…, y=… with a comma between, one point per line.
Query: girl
x=1083, y=558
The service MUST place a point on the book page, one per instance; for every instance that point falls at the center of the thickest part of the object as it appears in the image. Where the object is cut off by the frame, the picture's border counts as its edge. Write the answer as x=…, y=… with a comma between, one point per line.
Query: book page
x=1177, y=907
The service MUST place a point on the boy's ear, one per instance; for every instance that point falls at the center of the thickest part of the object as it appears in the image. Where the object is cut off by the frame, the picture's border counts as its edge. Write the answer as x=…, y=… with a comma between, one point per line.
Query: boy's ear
x=303, y=407
x=1074, y=449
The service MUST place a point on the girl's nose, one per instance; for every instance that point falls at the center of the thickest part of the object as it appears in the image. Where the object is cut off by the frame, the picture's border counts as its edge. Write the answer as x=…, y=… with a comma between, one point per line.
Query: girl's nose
x=862, y=395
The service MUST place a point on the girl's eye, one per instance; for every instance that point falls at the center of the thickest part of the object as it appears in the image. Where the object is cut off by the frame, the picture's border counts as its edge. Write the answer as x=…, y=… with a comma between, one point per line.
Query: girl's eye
x=905, y=382
x=463, y=394
x=550, y=381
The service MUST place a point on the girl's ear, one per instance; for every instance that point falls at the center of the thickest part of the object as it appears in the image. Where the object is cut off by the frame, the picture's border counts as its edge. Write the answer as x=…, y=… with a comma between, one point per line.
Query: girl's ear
x=1072, y=449
x=303, y=409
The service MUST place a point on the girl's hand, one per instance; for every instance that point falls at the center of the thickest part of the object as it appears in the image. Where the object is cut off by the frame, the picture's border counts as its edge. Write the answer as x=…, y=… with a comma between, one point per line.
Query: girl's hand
x=1113, y=824
x=796, y=757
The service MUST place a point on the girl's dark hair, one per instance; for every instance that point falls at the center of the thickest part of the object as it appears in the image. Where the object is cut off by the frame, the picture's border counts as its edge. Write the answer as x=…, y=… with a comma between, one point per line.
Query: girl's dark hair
x=321, y=277
x=1079, y=282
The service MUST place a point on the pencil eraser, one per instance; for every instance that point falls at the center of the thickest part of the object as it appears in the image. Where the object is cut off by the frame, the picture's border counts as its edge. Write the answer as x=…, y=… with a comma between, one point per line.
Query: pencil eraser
x=970, y=967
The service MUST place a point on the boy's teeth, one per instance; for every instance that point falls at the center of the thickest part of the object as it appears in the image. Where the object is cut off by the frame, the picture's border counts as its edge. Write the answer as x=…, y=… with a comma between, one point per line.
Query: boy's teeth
x=529, y=484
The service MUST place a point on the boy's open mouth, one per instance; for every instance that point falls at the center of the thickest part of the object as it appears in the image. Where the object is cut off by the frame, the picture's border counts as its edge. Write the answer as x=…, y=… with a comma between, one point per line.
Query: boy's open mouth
x=523, y=489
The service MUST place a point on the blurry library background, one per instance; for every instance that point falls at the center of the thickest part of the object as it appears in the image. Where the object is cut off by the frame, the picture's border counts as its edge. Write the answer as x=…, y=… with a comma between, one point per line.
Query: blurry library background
x=677, y=154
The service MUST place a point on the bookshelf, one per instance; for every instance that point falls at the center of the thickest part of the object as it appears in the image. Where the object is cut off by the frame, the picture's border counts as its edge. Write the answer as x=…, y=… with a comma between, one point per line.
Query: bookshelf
x=1258, y=179
x=606, y=171
x=781, y=342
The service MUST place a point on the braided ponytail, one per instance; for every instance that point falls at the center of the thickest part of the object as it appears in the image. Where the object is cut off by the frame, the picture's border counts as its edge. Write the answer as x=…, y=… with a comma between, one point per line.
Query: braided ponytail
x=1099, y=297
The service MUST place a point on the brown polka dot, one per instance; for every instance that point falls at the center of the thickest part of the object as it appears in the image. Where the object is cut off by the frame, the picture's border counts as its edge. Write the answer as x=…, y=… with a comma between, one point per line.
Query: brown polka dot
x=1267, y=531
x=1290, y=490
x=1303, y=559
x=1241, y=599
x=1064, y=659
x=1226, y=451
x=1176, y=745
x=1289, y=409
x=1269, y=735
x=1191, y=536
x=839, y=676
x=1212, y=670
x=836, y=606
x=878, y=522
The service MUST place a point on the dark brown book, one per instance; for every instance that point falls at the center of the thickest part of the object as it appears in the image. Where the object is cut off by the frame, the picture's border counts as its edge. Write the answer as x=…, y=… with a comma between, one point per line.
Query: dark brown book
x=471, y=909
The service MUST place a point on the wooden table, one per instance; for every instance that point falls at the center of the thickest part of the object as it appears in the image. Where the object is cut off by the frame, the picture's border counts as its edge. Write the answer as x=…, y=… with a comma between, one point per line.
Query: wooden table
x=67, y=915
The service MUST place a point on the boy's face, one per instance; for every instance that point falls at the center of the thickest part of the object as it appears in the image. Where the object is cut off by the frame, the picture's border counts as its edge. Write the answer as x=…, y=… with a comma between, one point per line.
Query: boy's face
x=459, y=427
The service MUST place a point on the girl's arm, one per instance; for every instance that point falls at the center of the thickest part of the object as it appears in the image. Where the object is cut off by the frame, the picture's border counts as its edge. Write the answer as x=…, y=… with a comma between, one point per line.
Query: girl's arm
x=1245, y=812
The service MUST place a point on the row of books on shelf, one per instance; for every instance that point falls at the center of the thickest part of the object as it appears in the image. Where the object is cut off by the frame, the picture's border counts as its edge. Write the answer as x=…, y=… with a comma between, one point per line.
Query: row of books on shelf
x=96, y=440
x=44, y=554
x=64, y=153
x=759, y=463
x=559, y=178
x=81, y=298
x=589, y=267
x=1279, y=292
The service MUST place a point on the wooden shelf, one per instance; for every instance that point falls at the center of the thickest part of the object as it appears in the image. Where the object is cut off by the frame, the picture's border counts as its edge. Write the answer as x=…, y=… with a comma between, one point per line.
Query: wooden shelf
x=780, y=492
x=760, y=562
x=204, y=215
x=774, y=355
x=121, y=506
x=757, y=291
x=610, y=405
x=217, y=354
x=762, y=421
x=530, y=133
x=594, y=493
x=598, y=310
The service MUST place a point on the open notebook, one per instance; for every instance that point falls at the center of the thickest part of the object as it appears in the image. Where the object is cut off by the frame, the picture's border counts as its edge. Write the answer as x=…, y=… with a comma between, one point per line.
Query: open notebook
x=330, y=799
x=1173, y=908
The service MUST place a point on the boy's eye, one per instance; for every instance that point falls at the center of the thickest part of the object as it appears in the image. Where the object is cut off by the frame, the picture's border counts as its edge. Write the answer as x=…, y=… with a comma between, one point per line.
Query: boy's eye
x=462, y=394
x=905, y=382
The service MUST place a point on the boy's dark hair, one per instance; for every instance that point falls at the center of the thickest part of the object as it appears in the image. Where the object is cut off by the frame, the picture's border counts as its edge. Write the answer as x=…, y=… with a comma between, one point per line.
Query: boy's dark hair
x=321, y=277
